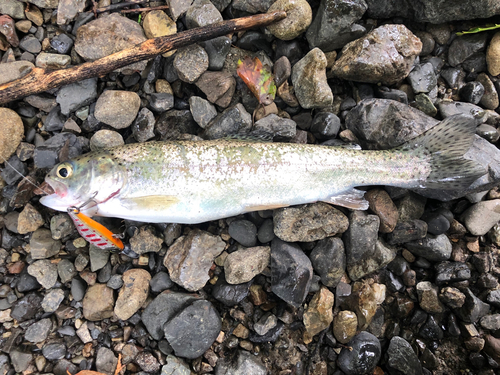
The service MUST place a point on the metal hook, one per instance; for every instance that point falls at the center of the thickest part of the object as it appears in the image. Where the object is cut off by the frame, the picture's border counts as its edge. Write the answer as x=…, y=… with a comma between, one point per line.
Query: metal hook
x=77, y=210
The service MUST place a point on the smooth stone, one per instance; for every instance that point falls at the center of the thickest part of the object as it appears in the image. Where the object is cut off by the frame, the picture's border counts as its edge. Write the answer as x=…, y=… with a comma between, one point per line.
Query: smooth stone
x=291, y=272
x=62, y=43
x=345, y=326
x=465, y=46
x=309, y=80
x=234, y=120
x=433, y=248
x=156, y=23
x=428, y=297
x=243, y=265
x=133, y=294
x=160, y=281
x=493, y=55
x=202, y=13
x=491, y=322
x=30, y=44
x=488, y=132
x=78, y=288
x=104, y=138
x=219, y=87
x=190, y=258
x=265, y=233
x=401, y=359
x=329, y=260
x=472, y=92
x=98, y=303
x=385, y=55
x=203, y=111
x=482, y=216
x=52, y=61
x=325, y=125
x=299, y=17
x=54, y=351
x=190, y=63
x=98, y=258
x=281, y=129
x=308, y=223
x=52, y=300
x=38, y=331
x=76, y=95
x=12, y=131
x=319, y=313
x=363, y=357
x=217, y=50
x=382, y=205
x=228, y=294
x=45, y=272
x=20, y=360
x=14, y=70
x=117, y=108
x=143, y=126
x=67, y=10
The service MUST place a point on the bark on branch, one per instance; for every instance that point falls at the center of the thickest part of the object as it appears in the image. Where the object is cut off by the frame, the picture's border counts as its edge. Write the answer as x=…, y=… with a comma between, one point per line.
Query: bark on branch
x=40, y=80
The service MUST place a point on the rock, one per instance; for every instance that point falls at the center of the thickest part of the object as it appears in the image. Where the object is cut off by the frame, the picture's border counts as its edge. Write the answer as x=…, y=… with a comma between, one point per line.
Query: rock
x=117, y=108
x=325, y=125
x=38, y=331
x=244, y=232
x=219, y=87
x=20, y=360
x=162, y=309
x=345, y=326
x=246, y=363
x=109, y=34
x=265, y=233
x=229, y=294
x=482, y=216
x=281, y=129
x=217, y=50
x=45, y=272
x=30, y=44
x=452, y=272
x=78, y=288
x=243, y=265
x=26, y=307
x=465, y=46
x=422, y=78
x=147, y=362
x=189, y=259
x=433, y=248
x=52, y=61
x=76, y=95
x=234, y=120
x=487, y=132
x=493, y=55
x=145, y=241
x=98, y=303
x=190, y=63
x=104, y=138
x=363, y=302
x=156, y=23
x=62, y=43
x=473, y=309
x=54, y=351
x=291, y=272
x=309, y=80
x=52, y=300
x=309, y=222
x=384, y=124
x=8, y=29
x=382, y=205
x=363, y=357
x=428, y=297
x=173, y=124
x=203, y=111
x=202, y=13
x=29, y=220
x=319, y=313
x=67, y=10
x=133, y=294
x=142, y=128
x=430, y=330
x=298, y=19
x=492, y=347
x=105, y=361
x=160, y=282
x=10, y=72
x=175, y=366
x=98, y=258
x=472, y=92
x=13, y=8
x=13, y=131
x=401, y=359
x=193, y=331
x=491, y=322
x=335, y=24
x=385, y=55
x=329, y=260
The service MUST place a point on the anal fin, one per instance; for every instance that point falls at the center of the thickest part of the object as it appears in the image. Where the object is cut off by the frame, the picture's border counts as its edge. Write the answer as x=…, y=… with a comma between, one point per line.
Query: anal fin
x=353, y=199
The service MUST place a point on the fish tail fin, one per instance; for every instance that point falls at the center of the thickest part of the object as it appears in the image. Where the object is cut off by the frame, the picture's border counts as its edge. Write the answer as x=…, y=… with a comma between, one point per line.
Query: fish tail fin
x=443, y=147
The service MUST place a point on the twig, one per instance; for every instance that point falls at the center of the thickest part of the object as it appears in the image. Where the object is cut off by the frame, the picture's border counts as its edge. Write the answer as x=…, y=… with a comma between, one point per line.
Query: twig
x=137, y=10
x=40, y=80
x=118, y=6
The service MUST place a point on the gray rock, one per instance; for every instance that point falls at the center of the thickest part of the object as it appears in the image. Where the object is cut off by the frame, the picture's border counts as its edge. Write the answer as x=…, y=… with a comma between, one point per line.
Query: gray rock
x=9, y=174
x=52, y=300
x=193, y=331
x=12, y=8
x=117, y=108
x=26, y=307
x=451, y=272
x=143, y=126
x=98, y=258
x=384, y=124
x=202, y=110
x=325, y=125
x=490, y=98
x=299, y=17
x=493, y=298
x=145, y=240
x=491, y=322
x=190, y=63
x=161, y=101
x=202, y=13
x=401, y=359
x=309, y=222
x=45, y=272
x=160, y=282
x=61, y=226
x=219, y=87
x=431, y=330
x=243, y=265
x=244, y=232
x=309, y=80
x=78, y=288
x=448, y=108
x=329, y=260
x=38, y=331
x=105, y=361
x=291, y=272
x=422, y=78
x=265, y=233
x=465, y=46
x=433, y=248
x=20, y=360
x=30, y=44
x=335, y=24
x=245, y=364
x=363, y=357
x=229, y=294
x=473, y=308
x=52, y=61
x=14, y=70
x=54, y=351
x=234, y=120
x=407, y=231
x=115, y=282
x=472, y=92
x=76, y=95
x=217, y=50
x=281, y=129
x=482, y=216
x=54, y=120
x=62, y=43
x=174, y=123
x=175, y=366
x=385, y=55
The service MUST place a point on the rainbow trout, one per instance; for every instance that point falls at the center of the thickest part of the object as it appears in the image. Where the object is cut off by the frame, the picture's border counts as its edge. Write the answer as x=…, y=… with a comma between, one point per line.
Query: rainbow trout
x=193, y=182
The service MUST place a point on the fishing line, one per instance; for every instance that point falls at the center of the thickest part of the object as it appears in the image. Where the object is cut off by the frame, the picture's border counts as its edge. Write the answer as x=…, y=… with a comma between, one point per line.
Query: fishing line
x=23, y=176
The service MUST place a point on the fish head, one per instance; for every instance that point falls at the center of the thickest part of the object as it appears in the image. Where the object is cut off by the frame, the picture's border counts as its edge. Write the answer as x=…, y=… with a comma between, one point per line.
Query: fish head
x=84, y=181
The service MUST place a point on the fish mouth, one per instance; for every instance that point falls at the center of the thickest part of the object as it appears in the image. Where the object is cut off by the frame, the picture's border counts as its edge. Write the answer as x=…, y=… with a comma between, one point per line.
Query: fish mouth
x=59, y=199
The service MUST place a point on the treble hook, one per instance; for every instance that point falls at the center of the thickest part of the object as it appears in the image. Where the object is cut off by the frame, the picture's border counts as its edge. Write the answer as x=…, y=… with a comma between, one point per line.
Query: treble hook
x=77, y=210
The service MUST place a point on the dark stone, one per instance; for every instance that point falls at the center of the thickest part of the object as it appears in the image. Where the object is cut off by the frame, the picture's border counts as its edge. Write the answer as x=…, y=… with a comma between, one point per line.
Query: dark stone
x=54, y=351
x=329, y=260
x=325, y=125
x=473, y=309
x=452, y=76
x=422, y=78
x=465, y=46
x=161, y=101
x=246, y=363
x=472, y=92
x=194, y=329
x=13, y=170
x=291, y=272
x=438, y=222
x=26, y=282
x=234, y=120
x=451, y=271
x=78, y=288
x=55, y=120
x=26, y=307
x=433, y=248
x=392, y=94
x=270, y=336
x=217, y=50
x=363, y=357
x=244, y=232
x=401, y=359
x=173, y=123
x=230, y=294
x=254, y=41
x=431, y=330
x=62, y=43
x=160, y=281
x=266, y=231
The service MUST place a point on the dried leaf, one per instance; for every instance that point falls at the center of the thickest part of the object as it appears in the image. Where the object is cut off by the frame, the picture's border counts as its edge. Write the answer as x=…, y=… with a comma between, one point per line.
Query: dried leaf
x=258, y=78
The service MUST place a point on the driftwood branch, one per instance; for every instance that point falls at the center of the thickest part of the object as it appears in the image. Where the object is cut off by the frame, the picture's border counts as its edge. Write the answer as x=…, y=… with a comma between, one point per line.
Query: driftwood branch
x=40, y=80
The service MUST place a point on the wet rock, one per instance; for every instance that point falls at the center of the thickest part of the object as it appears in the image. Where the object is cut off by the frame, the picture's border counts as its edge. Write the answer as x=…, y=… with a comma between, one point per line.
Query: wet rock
x=482, y=216
x=493, y=54
x=12, y=133
x=234, y=120
x=245, y=364
x=190, y=63
x=202, y=13
x=98, y=303
x=385, y=55
x=29, y=220
x=109, y=34
x=428, y=297
x=345, y=326
x=145, y=241
x=160, y=282
x=219, y=87
x=52, y=300
x=193, y=331
x=309, y=222
x=98, y=258
x=433, y=248
x=465, y=46
x=488, y=132
x=45, y=272
x=363, y=357
x=117, y=108
x=452, y=272
x=291, y=272
x=156, y=23
x=491, y=322
x=228, y=294
x=217, y=50
x=401, y=359
x=189, y=259
x=319, y=313
x=76, y=95
x=203, y=111
x=175, y=366
x=281, y=129
x=430, y=330
x=26, y=307
x=363, y=302
x=20, y=360
x=472, y=92
x=329, y=260
x=105, y=138
x=78, y=288
x=142, y=128
x=298, y=19
x=147, y=362
x=309, y=80
x=335, y=24
x=105, y=361
x=243, y=265
x=244, y=232
x=30, y=44
x=133, y=294
x=422, y=78
x=162, y=309
x=38, y=331
x=382, y=205
x=473, y=308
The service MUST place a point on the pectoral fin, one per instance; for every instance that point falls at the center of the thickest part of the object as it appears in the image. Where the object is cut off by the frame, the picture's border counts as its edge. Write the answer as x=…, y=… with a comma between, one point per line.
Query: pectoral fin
x=353, y=199
x=264, y=207
x=150, y=202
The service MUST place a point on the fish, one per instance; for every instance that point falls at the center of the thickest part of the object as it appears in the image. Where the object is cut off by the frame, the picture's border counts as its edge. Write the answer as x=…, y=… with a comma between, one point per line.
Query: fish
x=191, y=182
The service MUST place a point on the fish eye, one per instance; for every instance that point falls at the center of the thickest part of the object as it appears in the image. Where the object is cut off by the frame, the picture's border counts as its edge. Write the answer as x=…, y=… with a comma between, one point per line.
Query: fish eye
x=64, y=170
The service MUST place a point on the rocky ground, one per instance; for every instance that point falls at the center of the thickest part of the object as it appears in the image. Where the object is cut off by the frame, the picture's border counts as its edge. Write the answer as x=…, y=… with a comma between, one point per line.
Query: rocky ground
x=409, y=286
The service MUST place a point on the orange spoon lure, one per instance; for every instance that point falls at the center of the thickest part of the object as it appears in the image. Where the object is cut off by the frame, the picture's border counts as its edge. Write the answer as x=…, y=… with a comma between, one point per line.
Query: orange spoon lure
x=93, y=232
